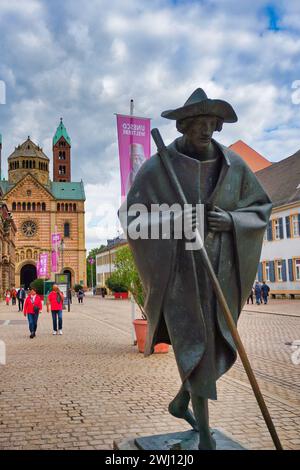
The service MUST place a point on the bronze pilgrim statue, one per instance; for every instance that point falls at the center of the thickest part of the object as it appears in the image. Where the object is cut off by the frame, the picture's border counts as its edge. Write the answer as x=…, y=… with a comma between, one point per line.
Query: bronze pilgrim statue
x=181, y=305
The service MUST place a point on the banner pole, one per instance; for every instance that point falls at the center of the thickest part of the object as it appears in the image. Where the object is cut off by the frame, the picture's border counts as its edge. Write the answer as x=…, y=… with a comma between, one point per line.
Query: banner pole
x=131, y=297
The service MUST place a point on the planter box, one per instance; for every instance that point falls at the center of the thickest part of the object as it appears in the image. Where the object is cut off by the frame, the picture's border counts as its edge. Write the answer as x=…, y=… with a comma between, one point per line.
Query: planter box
x=141, y=334
x=121, y=295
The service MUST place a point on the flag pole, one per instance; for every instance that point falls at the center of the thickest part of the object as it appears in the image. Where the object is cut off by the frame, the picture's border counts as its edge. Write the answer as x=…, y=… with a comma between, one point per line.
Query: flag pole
x=131, y=297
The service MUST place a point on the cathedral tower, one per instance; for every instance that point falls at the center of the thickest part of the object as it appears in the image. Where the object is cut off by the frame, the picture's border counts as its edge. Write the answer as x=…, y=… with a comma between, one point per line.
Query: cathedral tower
x=61, y=154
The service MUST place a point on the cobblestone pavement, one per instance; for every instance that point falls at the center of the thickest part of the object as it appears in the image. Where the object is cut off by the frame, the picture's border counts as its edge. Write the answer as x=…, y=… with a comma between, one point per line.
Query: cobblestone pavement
x=90, y=386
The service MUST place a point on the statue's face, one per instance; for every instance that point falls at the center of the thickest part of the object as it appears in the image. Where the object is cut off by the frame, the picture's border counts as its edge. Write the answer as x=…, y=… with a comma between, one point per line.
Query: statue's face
x=200, y=131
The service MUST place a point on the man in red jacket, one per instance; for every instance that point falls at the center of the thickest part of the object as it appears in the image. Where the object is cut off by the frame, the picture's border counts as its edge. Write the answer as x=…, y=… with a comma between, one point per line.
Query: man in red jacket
x=32, y=308
x=55, y=303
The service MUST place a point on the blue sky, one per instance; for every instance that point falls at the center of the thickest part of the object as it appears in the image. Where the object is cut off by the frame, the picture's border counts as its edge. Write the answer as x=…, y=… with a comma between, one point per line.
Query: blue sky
x=85, y=60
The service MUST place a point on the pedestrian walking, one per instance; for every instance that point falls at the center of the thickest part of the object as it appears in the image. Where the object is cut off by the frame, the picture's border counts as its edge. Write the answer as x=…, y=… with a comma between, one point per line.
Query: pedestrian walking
x=103, y=292
x=32, y=308
x=13, y=296
x=257, y=290
x=21, y=295
x=55, y=304
x=250, y=296
x=7, y=296
x=70, y=295
x=265, y=289
x=80, y=296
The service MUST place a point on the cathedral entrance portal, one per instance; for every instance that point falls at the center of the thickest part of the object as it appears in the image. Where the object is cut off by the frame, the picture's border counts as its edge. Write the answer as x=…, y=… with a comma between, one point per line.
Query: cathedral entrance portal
x=27, y=275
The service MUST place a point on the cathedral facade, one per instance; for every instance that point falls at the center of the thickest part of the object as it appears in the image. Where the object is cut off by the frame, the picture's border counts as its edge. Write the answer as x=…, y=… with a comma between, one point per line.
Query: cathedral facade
x=41, y=206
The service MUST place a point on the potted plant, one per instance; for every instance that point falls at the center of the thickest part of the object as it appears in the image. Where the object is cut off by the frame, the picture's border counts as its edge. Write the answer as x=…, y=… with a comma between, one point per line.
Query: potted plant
x=116, y=286
x=127, y=276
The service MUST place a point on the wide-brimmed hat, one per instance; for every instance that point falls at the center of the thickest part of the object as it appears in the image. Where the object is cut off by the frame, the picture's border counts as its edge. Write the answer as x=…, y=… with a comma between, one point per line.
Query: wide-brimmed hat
x=198, y=103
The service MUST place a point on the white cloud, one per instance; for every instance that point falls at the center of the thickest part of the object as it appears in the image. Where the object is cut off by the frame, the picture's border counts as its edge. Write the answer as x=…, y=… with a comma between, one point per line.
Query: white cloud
x=86, y=63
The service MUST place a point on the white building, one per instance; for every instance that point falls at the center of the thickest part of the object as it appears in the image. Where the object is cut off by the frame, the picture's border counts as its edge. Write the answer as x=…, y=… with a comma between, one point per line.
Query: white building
x=280, y=259
x=105, y=261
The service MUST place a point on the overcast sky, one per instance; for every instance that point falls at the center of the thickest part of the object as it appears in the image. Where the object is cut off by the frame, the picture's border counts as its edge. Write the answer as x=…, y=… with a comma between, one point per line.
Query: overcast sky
x=84, y=61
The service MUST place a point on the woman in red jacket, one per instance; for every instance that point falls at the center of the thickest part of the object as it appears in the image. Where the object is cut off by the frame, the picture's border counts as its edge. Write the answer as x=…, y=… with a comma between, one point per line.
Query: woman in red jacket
x=32, y=308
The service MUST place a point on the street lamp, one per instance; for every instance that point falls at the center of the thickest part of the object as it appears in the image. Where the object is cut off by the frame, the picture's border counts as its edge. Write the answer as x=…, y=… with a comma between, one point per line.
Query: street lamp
x=62, y=247
x=92, y=261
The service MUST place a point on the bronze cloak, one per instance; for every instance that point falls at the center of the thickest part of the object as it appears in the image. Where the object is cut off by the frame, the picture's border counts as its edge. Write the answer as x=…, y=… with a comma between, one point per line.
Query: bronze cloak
x=237, y=192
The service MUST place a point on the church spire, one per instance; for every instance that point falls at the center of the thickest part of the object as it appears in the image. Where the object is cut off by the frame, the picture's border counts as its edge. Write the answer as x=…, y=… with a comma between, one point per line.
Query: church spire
x=61, y=154
x=61, y=131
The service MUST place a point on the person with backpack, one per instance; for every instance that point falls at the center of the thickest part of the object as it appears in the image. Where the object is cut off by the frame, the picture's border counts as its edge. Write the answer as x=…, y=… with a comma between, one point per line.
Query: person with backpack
x=55, y=304
x=21, y=295
x=13, y=296
x=80, y=296
x=32, y=308
x=257, y=290
x=265, y=289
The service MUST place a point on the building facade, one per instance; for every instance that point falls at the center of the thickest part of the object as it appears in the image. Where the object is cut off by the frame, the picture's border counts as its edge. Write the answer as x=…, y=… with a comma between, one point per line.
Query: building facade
x=280, y=258
x=7, y=249
x=105, y=261
x=41, y=207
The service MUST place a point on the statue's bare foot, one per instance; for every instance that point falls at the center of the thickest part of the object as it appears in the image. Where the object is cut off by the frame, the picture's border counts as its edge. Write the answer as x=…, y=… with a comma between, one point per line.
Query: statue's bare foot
x=176, y=409
x=207, y=442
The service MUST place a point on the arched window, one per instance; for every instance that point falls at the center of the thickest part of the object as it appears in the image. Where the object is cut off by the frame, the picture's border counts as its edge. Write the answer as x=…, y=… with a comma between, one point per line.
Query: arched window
x=24, y=206
x=58, y=207
x=14, y=206
x=66, y=230
x=33, y=206
x=26, y=163
x=28, y=254
x=66, y=207
x=28, y=206
x=43, y=206
x=70, y=207
x=19, y=206
x=74, y=207
x=38, y=206
x=30, y=163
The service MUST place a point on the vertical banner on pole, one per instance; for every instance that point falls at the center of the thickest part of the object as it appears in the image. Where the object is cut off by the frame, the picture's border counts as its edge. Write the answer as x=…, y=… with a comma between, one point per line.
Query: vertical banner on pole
x=43, y=265
x=134, y=147
x=55, y=240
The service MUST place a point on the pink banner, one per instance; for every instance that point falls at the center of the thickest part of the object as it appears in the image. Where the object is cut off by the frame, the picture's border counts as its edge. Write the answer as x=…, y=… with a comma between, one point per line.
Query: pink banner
x=134, y=147
x=55, y=240
x=54, y=262
x=43, y=265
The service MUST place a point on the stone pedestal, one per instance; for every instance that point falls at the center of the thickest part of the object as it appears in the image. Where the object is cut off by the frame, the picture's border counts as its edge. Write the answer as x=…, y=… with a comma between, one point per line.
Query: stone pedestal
x=187, y=440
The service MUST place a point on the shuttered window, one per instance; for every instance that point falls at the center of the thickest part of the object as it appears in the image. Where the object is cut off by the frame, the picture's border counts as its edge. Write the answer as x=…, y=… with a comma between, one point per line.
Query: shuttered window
x=278, y=270
x=295, y=223
x=277, y=229
x=291, y=270
x=297, y=269
x=269, y=231
x=272, y=271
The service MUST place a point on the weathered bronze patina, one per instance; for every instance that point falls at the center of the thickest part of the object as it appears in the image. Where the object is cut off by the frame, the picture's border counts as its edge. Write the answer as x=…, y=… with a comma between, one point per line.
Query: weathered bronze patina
x=181, y=307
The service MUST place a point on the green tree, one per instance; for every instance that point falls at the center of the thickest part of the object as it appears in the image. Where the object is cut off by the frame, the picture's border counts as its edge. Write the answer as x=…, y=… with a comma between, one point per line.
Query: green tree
x=38, y=284
x=90, y=267
x=127, y=276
